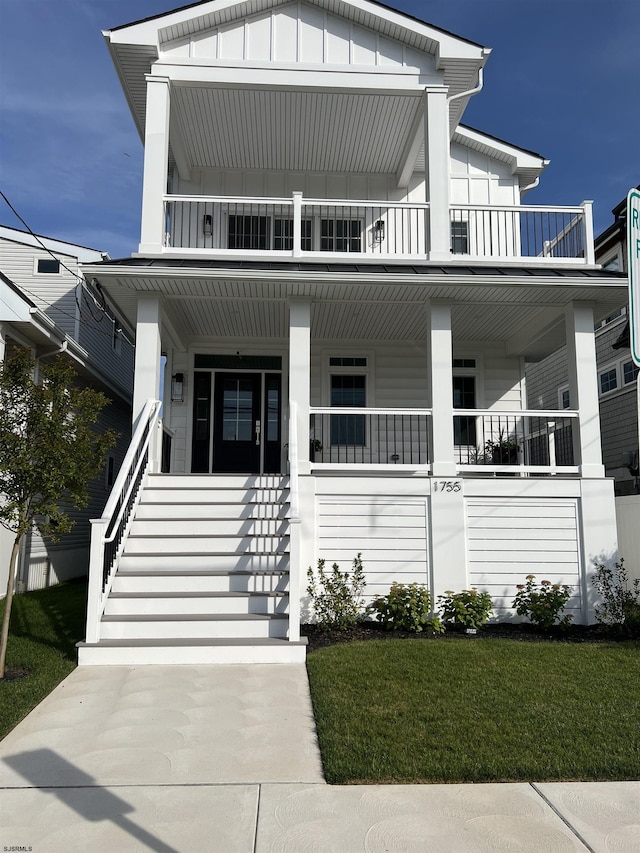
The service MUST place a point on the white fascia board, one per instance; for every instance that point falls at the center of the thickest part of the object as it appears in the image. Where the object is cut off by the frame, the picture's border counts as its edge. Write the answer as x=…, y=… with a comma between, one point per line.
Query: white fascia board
x=14, y=308
x=519, y=158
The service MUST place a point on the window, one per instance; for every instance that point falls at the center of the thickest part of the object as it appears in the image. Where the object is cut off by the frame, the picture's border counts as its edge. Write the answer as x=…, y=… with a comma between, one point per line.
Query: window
x=565, y=398
x=629, y=372
x=348, y=391
x=464, y=397
x=50, y=266
x=340, y=235
x=460, y=238
x=465, y=362
x=348, y=361
x=248, y=232
x=283, y=234
x=608, y=380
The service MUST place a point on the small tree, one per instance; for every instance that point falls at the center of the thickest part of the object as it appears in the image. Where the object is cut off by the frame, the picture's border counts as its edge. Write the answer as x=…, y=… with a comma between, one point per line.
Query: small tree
x=48, y=453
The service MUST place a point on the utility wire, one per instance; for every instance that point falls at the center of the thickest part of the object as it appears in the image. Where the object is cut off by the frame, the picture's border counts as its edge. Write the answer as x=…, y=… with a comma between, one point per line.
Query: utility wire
x=102, y=307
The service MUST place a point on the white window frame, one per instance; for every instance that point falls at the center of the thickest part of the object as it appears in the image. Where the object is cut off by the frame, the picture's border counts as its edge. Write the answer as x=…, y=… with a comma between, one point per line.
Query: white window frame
x=36, y=271
x=621, y=385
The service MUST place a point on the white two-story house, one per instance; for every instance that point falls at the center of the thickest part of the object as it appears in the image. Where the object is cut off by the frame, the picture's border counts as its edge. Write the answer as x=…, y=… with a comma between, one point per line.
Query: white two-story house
x=347, y=283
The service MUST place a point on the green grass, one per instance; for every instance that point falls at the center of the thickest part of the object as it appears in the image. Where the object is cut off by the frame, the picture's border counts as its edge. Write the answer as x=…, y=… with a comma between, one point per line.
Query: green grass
x=485, y=710
x=45, y=625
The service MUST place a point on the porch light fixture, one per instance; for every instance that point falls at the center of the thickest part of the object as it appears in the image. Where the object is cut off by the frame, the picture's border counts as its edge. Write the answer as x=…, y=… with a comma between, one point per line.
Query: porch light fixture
x=378, y=231
x=207, y=224
x=177, y=388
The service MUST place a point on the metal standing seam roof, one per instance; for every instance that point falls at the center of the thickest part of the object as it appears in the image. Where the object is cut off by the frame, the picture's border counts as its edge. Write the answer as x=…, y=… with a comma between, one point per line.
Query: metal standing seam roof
x=362, y=269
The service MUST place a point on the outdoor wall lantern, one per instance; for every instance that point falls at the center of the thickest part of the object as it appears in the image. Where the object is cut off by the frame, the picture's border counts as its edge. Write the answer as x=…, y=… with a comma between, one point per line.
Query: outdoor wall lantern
x=177, y=388
x=378, y=231
x=207, y=224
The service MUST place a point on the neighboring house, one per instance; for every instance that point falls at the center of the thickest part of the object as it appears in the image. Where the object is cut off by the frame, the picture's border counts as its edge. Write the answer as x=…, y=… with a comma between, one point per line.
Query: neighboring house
x=46, y=307
x=548, y=384
x=347, y=288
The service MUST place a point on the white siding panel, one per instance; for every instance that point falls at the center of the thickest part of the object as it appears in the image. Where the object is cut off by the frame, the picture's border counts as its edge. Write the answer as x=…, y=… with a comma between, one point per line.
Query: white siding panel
x=311, y=34
x=286, y=34
x=338, y=41
x=364, y=47
x=510, y=539
x=368, y=525
x=231, y=42
x=259, y=39
x=389, y=52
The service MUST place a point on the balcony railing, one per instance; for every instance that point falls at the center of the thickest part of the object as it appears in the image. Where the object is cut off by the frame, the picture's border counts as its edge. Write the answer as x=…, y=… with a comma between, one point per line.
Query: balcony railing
x=373, y=230
x=525, y=442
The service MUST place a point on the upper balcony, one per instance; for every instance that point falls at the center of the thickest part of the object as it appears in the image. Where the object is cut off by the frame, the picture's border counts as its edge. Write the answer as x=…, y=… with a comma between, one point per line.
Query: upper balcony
x=314, y=229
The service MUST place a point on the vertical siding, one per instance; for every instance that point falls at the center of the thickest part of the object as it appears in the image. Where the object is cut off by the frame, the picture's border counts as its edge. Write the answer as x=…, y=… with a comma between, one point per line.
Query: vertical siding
x=510, y=539
x=627, y=515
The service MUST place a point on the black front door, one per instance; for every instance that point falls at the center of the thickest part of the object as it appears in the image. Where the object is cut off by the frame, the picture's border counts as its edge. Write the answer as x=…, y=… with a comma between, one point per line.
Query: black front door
x=245, y=438
x=237, y=425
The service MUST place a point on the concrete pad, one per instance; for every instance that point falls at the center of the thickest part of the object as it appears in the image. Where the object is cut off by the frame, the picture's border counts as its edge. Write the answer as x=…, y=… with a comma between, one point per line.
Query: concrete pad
x=605, y=814
x=408, y=818
x=147, y=725
x=216, y=819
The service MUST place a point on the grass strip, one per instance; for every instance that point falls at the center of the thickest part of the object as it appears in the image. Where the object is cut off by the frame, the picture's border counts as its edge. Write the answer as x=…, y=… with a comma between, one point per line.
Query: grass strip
x=45, y=626
x=409, y=711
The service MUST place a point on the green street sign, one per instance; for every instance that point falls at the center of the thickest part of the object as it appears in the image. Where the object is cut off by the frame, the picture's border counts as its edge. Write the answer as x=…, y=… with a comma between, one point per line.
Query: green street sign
x=633, y=250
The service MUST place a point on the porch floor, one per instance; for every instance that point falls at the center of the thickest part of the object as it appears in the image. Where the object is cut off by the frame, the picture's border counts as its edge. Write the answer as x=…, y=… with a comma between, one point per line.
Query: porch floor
x=214, y=758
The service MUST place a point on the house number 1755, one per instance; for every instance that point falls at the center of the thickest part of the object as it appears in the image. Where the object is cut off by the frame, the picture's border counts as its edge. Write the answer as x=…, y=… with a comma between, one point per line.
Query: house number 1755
x=447, y=485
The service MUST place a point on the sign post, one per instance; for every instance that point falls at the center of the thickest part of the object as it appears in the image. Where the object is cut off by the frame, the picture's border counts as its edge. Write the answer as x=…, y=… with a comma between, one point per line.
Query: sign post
x=633, y=255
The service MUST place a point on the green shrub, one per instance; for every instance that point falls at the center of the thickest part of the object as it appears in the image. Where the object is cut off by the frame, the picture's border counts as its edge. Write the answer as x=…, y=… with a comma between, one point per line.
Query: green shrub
x=542, y=605
x=620, y=607
x=466, y=609
x=336, y=597
x=406, y=608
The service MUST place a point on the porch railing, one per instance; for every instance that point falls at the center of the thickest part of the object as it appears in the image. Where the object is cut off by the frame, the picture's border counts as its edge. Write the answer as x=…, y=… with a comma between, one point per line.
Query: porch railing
x=301, y=227
x=295, y=543
x=526, y=441
x=109, y=532
x=391, y=437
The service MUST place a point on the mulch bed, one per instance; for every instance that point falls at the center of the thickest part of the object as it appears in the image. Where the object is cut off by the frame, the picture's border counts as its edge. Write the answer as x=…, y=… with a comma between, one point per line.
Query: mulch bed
x=321, y=637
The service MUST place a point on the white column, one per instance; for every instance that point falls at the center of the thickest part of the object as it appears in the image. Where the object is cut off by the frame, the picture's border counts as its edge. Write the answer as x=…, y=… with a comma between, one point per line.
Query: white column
x=583, y=387
x=146, y=378
x=300, y=374
x=440, y=353
x=3, y=342
x=436, y=155
x=156, y=160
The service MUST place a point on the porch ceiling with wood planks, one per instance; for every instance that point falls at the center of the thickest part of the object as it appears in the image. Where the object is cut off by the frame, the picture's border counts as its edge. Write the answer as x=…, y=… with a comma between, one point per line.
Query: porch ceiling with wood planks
x=485, y=307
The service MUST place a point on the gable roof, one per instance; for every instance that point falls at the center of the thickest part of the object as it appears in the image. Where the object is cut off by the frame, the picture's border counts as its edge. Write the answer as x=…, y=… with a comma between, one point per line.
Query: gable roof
x=136, y=46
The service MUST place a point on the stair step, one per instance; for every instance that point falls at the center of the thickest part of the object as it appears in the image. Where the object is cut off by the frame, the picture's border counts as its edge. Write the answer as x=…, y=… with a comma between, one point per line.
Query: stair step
x=196, y=494
x=270, y=580
x=181, y=527
x=210, y=510
x=208, y=561
x=202, y=625
x=206, y=544
x=191, y=651
x=219, y=481
x=185, y=603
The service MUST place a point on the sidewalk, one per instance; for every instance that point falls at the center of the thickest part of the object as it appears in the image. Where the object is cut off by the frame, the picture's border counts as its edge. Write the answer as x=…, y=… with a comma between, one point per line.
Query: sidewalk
x=206, y=759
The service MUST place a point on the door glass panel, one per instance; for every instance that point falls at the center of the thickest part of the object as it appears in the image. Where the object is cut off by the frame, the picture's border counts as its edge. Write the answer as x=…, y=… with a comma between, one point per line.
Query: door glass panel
x=464, y=397
x=350, y=391
x=237, y=417
x=273, y=414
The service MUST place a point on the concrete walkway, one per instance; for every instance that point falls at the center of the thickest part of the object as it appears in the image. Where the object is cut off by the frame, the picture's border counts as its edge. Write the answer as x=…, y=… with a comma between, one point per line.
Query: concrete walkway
x=204, y=759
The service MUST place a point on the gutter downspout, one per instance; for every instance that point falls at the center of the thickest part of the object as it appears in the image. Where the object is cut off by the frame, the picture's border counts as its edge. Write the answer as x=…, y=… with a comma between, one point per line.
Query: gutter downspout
x=470, y=92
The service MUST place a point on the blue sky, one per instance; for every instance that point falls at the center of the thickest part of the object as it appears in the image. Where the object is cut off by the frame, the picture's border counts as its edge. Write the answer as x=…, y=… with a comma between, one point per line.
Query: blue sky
x=562, y=80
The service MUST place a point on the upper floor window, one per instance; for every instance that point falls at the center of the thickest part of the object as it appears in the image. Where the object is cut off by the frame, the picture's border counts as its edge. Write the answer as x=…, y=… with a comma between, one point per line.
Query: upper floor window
x=460, y=238
x=248, y=232
x=608, y=380
x=564, y=398
x=283, y=234
x=629, y=372
x=50, y=266
x=341, y=235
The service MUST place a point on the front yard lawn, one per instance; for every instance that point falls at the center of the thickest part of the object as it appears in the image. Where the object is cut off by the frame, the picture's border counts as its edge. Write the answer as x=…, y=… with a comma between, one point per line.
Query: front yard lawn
x=481, y=710
x=45, y=626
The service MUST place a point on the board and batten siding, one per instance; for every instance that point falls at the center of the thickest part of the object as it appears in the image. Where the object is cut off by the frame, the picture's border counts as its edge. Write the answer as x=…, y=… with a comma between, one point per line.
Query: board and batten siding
x=508, y=539
x=390, y=533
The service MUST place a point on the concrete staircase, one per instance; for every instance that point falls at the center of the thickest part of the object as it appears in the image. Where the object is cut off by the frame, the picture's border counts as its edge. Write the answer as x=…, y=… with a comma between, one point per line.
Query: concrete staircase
x=204, y=576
